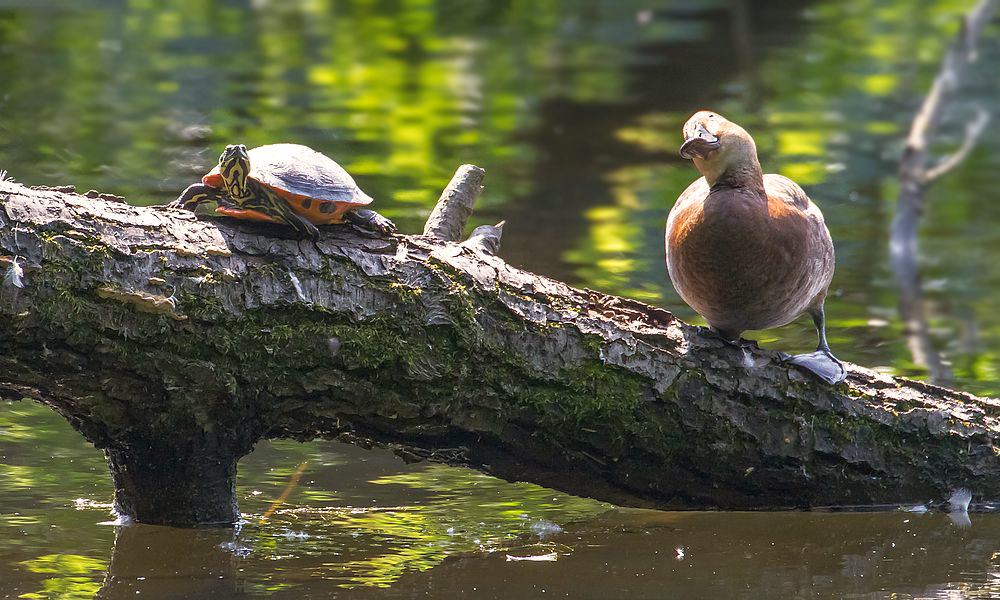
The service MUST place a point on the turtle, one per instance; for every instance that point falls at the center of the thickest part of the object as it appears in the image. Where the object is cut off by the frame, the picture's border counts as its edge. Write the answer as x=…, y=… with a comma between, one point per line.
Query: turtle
x=284, y=183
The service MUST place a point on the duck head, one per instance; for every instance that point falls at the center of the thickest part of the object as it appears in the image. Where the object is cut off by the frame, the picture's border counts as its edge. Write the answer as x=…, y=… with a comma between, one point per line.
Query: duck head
x=718, y=147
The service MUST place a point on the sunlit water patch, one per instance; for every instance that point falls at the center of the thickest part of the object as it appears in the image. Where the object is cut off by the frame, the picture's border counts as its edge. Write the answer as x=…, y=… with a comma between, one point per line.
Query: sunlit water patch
x=405, y=521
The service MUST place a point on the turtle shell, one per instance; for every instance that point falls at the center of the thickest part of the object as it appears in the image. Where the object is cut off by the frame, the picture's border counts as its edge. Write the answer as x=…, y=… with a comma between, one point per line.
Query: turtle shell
x=313, y=184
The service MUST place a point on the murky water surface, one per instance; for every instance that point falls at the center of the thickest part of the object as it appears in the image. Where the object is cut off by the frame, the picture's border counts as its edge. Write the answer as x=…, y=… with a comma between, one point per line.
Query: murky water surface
x=361, y=524
x=574, y=109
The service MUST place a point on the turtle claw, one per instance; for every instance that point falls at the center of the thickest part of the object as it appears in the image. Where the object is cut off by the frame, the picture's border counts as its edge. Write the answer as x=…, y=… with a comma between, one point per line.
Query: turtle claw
x=193, y=196
x=383, y=225
x=304, y=227
x=312, y=232
x=370, y=220
x=178, y=203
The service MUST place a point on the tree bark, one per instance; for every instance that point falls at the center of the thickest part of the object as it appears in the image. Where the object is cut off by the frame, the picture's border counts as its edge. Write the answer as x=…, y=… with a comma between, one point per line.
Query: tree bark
x=174, y=343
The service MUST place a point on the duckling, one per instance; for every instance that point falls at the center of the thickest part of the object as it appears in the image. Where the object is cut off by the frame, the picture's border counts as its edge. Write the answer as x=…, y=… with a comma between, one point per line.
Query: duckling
x=747, y=250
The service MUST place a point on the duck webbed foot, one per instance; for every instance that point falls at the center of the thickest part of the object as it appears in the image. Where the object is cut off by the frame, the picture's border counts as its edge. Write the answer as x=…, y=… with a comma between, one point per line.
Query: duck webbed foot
x=821, y=363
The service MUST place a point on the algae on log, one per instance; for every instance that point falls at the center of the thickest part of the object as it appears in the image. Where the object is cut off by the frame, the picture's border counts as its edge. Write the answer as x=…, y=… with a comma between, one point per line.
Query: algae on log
x=174, y=344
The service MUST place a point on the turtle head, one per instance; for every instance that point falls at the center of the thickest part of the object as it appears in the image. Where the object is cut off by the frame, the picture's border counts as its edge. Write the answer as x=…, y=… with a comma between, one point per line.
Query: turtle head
x=234, y=166
x=717, y=146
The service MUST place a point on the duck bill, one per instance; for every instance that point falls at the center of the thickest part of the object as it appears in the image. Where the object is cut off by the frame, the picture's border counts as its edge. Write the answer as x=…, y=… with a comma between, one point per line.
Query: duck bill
x=700, y=144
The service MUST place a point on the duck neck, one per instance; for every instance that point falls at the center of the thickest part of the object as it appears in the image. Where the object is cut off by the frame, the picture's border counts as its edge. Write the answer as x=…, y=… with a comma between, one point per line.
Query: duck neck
x=745, y=174
x=735, y=165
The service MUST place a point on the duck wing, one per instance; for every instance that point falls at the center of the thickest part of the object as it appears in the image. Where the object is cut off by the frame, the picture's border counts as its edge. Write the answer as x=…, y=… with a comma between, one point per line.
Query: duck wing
x=783, y=189
x=787, y=199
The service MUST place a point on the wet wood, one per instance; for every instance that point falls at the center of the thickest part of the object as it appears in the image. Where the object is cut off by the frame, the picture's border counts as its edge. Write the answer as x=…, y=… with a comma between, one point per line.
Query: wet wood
x=175, y=343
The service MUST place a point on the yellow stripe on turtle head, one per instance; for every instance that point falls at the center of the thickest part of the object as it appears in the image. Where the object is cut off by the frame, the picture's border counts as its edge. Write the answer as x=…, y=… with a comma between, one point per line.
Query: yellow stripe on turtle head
x=234, y=166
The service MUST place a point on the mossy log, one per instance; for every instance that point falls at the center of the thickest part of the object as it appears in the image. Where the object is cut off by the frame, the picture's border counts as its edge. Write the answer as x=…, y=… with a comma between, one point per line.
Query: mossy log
x=175, y=343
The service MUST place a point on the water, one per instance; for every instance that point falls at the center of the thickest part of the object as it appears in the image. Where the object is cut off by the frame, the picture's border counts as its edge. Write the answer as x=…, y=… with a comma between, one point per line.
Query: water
x=360, y=524
x=574, y=109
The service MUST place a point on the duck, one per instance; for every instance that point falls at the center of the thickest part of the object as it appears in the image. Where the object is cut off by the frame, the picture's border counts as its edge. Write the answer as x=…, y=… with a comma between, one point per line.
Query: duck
x=748, y=250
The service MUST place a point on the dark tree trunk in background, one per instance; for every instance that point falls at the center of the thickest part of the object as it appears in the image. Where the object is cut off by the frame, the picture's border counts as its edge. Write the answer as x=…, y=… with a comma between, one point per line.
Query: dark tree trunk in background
x=174, y=344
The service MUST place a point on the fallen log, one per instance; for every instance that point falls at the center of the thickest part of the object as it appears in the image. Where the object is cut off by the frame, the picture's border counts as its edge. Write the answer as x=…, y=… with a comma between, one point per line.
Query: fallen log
x=175, y=343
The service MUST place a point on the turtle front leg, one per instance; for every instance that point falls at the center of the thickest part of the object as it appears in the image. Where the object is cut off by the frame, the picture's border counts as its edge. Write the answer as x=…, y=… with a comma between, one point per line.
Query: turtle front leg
x=302, y=225
x=278, y=209
x=371, y=220
x=194, y=195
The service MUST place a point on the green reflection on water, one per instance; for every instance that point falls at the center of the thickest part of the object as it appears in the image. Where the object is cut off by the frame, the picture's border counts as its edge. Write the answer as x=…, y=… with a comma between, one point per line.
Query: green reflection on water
x=42, y=456
x=74, y=576
x=342, y=526
x=44, y=467
x=450, y=511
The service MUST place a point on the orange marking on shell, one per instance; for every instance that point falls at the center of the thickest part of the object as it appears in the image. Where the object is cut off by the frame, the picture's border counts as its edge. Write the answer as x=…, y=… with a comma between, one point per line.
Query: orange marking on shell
x=313, y=213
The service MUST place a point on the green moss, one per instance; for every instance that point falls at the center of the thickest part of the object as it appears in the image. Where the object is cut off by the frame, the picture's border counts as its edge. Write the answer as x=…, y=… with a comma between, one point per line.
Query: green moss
x=272, y=349
x=592, y=342
x=375, y=343
x=589, y=395
x=199, y=306
x=404, y=292
x=270, y=269
x=90, y=259
x=498, y=311
x=854, y=392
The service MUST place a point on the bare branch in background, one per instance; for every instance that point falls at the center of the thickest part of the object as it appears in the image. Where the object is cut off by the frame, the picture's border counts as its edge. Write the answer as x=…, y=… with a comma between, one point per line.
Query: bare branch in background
x=916, y=177
x=972, y=133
